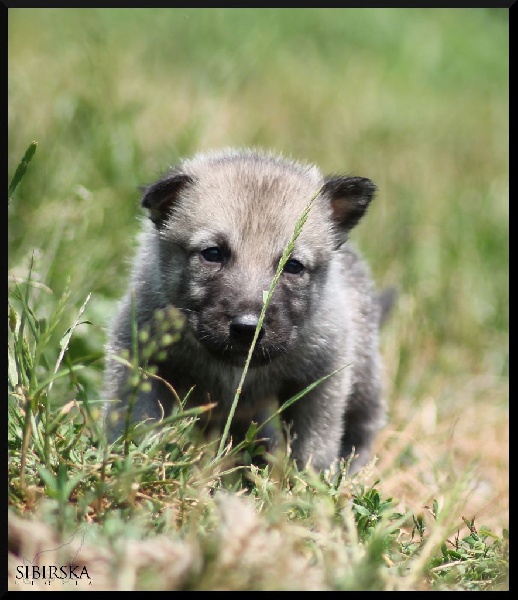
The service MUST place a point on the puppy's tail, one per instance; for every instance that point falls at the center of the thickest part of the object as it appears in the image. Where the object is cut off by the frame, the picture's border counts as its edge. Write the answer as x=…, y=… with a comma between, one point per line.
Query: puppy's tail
x=386, y=300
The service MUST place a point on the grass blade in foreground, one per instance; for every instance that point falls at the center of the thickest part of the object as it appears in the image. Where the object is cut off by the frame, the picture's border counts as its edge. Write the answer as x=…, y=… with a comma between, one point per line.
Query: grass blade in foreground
x=21, y=169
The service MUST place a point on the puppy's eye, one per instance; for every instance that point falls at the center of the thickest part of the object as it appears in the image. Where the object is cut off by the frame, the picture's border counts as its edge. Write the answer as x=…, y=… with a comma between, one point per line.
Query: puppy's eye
x=294, y=267
x=213, y=254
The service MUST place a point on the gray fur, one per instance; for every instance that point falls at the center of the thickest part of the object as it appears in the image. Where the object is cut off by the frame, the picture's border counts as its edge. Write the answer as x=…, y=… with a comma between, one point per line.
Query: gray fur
x=245, y=204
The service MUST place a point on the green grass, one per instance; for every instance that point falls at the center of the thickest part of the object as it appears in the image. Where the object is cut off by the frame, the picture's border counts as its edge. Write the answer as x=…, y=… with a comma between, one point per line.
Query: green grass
x=151, y=500
x=417, y=100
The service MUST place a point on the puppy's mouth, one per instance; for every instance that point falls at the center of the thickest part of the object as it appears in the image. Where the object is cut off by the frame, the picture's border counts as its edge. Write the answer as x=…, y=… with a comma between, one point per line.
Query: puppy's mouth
x=236, y=354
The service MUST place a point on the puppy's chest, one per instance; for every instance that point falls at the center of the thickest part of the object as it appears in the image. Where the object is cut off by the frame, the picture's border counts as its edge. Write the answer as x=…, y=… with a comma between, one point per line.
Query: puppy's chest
x=259, y=387
x=207, y=381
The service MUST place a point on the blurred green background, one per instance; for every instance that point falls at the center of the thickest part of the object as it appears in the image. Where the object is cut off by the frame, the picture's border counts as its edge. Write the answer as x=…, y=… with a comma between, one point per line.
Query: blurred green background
x=415, y=99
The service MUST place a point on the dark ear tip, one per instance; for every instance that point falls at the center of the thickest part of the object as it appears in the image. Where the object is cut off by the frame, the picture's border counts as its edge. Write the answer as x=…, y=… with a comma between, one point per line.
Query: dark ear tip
x=369, y=184
x=342, y=185
x=362, y=185
x=145, y=202
x=149, y=196
x=158, y=196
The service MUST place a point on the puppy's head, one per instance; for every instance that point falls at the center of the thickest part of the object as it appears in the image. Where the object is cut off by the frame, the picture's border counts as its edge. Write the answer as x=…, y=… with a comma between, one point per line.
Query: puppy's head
x=224, y=220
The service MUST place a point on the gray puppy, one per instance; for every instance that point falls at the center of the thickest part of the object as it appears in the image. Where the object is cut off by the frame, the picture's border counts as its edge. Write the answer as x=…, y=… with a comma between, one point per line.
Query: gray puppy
x=218, y=226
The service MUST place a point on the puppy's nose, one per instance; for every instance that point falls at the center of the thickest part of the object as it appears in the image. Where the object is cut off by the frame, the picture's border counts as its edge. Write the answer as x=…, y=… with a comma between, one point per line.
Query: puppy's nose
x=242, y=329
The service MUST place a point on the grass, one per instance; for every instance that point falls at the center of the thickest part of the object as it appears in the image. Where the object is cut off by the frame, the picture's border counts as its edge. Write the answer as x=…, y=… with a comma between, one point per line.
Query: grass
x=417, y=100
x=167, y=513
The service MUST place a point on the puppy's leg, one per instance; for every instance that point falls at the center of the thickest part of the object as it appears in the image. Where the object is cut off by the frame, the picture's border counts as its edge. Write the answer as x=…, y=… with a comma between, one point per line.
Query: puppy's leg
x=364, y=415
x=315, y=422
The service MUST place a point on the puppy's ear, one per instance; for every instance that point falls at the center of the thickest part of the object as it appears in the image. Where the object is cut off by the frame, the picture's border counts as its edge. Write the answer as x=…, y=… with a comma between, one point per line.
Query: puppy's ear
x=159, y=197
x=349, y=198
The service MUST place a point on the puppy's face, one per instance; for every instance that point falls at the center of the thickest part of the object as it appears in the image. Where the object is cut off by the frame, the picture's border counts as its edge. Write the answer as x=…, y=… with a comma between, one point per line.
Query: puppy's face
x=223, y=226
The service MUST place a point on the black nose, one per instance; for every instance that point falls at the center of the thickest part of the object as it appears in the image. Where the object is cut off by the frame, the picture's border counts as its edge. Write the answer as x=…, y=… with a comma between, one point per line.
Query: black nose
x=242, y=329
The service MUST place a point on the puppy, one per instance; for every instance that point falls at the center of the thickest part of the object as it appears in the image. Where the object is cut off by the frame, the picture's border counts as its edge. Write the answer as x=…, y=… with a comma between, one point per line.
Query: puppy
x=218, y=225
